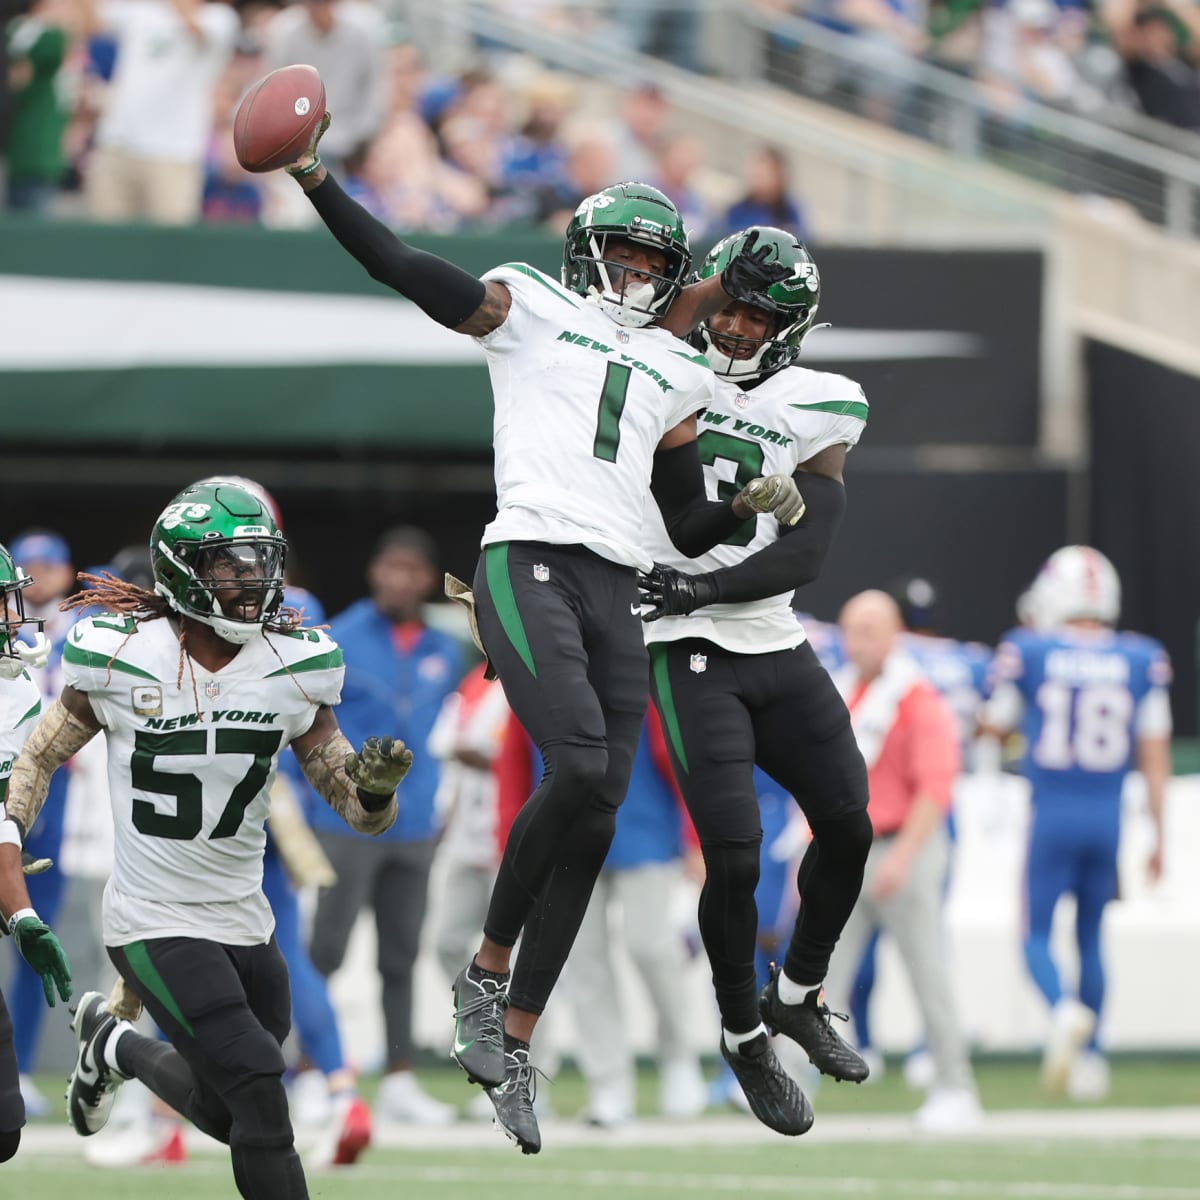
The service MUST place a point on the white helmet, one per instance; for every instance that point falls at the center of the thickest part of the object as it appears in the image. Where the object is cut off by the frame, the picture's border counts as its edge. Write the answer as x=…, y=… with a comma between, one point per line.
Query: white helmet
x=1076, y=583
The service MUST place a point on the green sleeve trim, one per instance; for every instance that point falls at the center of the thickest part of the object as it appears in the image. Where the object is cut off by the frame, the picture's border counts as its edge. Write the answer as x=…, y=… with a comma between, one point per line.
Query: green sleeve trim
x=858, y=409
x=101, y=662
x=495, y=560
x=666, y=701
x=539, y=278
x=329, y=661
x=698, y=359
x=3, y=788
x=33, y=712
x=147, y=973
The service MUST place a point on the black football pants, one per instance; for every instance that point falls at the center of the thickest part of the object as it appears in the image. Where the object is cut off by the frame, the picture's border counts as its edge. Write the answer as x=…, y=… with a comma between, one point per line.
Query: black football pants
x=723, y=713
x=557, y=624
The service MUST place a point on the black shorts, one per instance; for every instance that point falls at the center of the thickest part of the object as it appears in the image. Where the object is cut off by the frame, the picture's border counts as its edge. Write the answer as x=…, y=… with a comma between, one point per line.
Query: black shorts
x=12, y=1107
x=724, y=712
x=226, y=1009
x=559, y=627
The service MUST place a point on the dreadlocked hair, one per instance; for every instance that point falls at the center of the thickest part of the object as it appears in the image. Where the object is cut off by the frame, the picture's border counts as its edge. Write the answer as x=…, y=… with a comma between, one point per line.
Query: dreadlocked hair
x=105, y=590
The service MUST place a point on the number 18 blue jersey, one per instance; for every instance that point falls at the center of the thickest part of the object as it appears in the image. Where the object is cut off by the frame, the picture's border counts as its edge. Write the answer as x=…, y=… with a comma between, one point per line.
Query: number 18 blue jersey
x=1084, y=697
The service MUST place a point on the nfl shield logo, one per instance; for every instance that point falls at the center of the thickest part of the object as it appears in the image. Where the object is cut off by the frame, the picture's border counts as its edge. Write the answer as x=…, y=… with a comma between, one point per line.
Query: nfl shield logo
x=741, y=400
x=622, y=337
x=541, y=572
x=698, y=663
x=212, y=689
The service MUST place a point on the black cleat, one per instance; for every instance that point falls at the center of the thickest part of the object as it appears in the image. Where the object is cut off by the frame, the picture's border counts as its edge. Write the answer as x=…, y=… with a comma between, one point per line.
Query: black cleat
x=513, y=1099
x=480, y=998
x=774, y=1096
x=809, y=1024
x=92, y=1087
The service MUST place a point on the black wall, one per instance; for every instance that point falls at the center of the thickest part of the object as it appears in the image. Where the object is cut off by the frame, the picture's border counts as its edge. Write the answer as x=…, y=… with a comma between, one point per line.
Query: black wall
x=1145, y=501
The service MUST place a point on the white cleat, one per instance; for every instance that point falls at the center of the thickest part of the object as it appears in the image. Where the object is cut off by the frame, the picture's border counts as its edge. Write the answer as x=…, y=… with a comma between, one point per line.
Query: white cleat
x=93, y=1084
x=949, y=1111
x=1071, y=1024
x=1089, y=1080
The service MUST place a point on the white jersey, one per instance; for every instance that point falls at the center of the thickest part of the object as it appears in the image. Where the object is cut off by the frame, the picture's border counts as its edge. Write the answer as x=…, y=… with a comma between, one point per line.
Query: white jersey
x=581, y=405
x=768, y=430
x=20, y=707
x=190, y=767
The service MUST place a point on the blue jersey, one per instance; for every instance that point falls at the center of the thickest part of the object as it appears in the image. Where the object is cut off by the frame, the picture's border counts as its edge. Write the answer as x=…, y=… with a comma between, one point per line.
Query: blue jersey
x=1085, y=698
x=959, y=671
x=825, y=637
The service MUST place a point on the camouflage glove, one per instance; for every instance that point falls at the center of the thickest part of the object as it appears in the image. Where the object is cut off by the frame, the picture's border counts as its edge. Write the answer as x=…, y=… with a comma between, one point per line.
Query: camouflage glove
x=41, y=950
x=309, y=161
x=34, y=866
x=776, y=494
x=379, y=766
x=749, y=275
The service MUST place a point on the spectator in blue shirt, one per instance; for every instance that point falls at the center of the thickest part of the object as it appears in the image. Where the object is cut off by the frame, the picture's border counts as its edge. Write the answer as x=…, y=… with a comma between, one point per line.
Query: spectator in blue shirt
x=400, y=671
x=768, y=199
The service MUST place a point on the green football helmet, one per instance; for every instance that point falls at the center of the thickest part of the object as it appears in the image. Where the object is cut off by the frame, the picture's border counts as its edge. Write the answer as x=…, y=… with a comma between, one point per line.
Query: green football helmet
x=15, y=656
x=629, y=212
x=793, y=303
x=214, y=538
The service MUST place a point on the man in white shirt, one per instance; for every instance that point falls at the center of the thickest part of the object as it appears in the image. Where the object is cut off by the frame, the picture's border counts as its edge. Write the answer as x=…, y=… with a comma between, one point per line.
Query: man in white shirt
x=152, y=137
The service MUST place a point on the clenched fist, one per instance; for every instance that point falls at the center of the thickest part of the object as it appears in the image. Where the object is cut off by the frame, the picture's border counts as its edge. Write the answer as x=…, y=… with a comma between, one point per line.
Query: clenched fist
x=777, y=494
x=380, y=765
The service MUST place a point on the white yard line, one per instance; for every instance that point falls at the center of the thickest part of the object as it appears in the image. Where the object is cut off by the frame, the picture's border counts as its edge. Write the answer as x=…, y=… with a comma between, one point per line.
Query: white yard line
x=1028, y=1126
x=610, y=1182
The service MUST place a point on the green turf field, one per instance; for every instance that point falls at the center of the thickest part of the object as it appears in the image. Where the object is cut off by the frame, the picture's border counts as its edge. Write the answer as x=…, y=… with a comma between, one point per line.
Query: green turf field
x=1033, y=1160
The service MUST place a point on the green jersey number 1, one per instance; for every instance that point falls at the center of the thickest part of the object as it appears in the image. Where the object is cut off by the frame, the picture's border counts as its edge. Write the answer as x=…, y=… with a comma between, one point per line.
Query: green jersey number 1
x=184, y=823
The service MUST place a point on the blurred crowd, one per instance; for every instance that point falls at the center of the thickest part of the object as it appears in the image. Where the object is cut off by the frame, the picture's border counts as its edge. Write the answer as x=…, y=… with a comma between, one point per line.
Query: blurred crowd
x=1092, y=57
x=123, y=110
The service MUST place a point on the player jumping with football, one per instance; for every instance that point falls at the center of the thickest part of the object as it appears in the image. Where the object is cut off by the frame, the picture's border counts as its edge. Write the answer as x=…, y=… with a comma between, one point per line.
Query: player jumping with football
x=737, y=683
x=595, y=407
x=198, y=686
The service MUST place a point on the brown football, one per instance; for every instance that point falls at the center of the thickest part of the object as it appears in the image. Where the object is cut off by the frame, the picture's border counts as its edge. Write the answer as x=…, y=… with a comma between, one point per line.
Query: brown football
x=277, y=116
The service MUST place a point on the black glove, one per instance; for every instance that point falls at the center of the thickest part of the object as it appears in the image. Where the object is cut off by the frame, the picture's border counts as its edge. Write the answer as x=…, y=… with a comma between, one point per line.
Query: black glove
x=667, y=592
x=749, y=274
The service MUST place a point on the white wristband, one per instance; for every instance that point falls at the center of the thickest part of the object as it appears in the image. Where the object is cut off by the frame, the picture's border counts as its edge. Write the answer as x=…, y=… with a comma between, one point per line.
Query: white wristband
x=10, y=835
x=20, y=915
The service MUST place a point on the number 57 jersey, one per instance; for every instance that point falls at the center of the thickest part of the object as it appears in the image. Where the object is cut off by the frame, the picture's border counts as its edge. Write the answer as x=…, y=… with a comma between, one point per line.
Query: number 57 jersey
x=768, y=430
x=190, y=766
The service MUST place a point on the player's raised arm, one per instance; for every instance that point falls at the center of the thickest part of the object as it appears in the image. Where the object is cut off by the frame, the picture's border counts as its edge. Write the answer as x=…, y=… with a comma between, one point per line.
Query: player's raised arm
x=451, y=296
x=360, y=786
x=791, y=562
x=747, y=275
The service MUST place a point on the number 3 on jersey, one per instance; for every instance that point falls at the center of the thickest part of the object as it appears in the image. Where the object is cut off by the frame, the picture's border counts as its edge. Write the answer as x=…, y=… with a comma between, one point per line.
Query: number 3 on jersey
x=747, y=459
x=185, y=822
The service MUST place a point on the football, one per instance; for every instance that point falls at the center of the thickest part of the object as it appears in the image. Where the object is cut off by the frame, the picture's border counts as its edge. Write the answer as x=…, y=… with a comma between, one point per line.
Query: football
x=277, y=117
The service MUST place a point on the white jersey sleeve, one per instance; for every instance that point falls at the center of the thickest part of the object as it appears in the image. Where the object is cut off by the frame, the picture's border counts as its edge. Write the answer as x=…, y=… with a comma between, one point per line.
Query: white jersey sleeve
x=20, y=707
x=834, y=412
x=536, y=298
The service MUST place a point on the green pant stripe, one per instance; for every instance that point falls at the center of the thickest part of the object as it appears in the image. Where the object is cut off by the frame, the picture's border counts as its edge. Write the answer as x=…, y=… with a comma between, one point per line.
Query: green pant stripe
x=495, y=563
x=144, y=969
x=666, y=701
